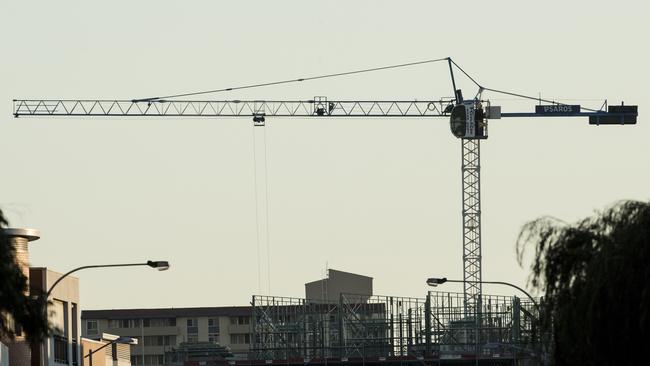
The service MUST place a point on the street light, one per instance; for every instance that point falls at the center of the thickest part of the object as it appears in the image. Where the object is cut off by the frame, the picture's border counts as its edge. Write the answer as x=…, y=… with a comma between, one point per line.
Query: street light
x=434, y=281
x=121, y=340
x=160, y=265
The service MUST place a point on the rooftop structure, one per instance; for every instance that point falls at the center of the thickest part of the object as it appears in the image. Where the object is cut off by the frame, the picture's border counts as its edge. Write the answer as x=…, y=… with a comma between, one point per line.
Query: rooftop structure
x=337, y=283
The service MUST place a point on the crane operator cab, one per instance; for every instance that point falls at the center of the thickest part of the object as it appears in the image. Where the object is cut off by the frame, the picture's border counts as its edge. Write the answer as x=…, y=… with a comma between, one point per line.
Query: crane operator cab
x=468, y=120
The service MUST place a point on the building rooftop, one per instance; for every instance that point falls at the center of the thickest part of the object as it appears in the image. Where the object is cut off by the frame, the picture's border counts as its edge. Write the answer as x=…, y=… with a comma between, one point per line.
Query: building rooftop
x=166, y=312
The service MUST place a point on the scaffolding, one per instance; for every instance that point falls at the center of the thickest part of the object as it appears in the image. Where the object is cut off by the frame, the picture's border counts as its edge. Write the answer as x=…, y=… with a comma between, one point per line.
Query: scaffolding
x=504, y=328
x=384, y=328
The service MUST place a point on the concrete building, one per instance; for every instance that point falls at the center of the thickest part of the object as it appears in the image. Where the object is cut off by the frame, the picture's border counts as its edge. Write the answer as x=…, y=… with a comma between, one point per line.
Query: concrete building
x=337, y=283
x=62, y=348
x=160, y=330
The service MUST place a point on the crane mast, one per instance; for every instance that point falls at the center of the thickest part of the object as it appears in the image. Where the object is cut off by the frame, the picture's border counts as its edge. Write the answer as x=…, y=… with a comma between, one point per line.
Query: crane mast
x=471, y=211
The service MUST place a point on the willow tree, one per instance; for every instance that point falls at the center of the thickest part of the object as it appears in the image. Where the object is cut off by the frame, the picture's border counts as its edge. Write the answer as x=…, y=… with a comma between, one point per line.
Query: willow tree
x=18, y=310
x=594, y=276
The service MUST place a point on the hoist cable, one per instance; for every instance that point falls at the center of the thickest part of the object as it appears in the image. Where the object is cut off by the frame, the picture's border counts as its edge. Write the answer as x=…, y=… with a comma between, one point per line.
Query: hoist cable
x=268, y=230
x=257, y=218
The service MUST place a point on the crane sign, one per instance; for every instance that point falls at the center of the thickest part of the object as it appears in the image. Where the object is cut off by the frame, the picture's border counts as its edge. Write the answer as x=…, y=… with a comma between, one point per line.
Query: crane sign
x=468, y=122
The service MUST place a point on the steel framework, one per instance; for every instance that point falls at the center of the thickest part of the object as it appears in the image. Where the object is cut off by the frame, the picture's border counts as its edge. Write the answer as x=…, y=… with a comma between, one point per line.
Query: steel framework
x=362, y=327
x=318, y=106
x=471, y=172
x=508, y=327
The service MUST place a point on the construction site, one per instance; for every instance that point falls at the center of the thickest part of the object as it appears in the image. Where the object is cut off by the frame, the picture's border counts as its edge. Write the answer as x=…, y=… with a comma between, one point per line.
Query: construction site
x=359, y=329
x=350, y=327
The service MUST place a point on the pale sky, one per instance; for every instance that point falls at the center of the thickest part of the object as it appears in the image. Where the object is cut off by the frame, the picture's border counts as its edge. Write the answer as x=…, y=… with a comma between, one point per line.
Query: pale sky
x=379, y=197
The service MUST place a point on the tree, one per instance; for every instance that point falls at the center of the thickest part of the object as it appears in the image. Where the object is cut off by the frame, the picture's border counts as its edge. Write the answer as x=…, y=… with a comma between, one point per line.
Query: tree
x=17, y=308
x=595, y=278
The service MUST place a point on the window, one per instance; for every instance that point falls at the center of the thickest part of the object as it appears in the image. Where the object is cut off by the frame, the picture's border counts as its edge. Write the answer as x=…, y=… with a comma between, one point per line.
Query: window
x=213, y=326
x=60, y=349
x=153, y=360
x=213, y=330
x=240, y=338
x=159, y=322
x=73, y=310
x=192, y=330
x=160, y=340
x=91, y=327
x=240, y=320
x=124, y=323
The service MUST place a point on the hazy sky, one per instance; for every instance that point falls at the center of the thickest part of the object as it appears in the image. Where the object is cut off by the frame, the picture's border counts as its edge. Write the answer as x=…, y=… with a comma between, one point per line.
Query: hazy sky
x=380, y=197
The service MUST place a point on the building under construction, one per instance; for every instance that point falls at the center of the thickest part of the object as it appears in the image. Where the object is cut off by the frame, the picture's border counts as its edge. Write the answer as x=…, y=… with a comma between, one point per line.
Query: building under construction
x=331, y=325
x=369, y=329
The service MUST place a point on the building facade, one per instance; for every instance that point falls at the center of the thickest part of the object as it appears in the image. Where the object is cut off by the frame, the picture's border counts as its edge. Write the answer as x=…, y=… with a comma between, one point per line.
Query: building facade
x=62, y=348
x=103, y=350
x=337, y=283
x=160, y=331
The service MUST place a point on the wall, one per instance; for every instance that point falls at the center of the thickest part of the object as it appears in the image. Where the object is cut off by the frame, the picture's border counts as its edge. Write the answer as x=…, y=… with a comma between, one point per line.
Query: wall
x=338, y=282
x=4, y=355
x=64, y=297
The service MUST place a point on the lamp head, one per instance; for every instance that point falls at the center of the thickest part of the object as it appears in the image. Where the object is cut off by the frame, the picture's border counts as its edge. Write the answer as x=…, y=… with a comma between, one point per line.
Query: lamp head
x=126, y=340
x=160, y=265
x=433, y=281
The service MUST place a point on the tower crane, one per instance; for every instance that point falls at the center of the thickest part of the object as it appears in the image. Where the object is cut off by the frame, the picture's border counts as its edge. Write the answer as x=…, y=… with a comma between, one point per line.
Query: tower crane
x=468, y=120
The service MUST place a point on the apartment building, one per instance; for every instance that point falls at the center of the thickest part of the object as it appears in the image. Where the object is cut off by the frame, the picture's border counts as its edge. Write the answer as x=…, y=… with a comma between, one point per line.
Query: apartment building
x=62, y=347
x=160, y=331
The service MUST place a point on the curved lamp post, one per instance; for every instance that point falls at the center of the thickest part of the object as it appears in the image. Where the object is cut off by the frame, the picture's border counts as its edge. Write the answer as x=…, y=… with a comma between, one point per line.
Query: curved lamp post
x=439, y=281
x=160, y=265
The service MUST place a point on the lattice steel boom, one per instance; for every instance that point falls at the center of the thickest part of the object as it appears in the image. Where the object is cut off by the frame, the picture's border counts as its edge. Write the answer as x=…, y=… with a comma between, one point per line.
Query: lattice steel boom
x=231, y=108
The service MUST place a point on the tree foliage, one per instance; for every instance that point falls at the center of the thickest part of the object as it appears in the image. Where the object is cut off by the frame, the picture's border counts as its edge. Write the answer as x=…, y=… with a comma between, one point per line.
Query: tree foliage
x=16, y=306
x=595, y=277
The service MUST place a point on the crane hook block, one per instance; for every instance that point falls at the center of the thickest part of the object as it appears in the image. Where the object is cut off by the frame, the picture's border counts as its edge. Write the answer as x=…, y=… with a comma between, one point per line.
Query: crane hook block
x=258, y=120
x=468, y=121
